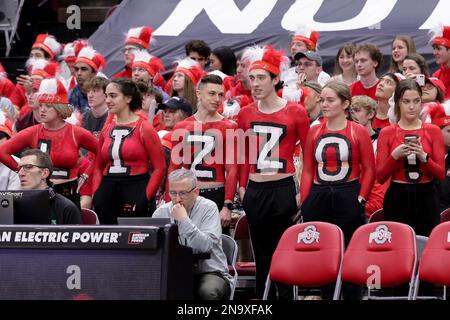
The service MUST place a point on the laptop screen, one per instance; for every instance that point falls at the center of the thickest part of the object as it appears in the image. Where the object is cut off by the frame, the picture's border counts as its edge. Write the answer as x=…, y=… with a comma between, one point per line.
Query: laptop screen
x=28, y=206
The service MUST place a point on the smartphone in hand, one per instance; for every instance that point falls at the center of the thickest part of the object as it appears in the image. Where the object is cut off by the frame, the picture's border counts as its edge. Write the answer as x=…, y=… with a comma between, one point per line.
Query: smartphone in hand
x=409, y=140
x=420, y=79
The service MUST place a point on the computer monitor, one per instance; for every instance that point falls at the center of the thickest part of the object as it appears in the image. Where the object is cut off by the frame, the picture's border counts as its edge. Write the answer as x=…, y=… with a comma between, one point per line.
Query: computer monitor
x=142, y=221
x=27, y=207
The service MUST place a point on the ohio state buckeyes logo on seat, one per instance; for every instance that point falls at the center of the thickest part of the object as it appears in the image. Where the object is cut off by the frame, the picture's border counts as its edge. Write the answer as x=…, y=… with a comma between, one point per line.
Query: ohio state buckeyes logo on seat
x=380, y=235
x=309, y=235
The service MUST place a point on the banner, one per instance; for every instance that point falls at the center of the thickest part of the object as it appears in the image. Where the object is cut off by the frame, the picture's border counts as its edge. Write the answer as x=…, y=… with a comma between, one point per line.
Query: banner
x=240, y=23
x=57, y=237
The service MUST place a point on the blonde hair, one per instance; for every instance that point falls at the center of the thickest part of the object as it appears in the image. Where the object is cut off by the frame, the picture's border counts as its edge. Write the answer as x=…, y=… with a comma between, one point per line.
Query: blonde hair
x=364, y=102
x=64, y=109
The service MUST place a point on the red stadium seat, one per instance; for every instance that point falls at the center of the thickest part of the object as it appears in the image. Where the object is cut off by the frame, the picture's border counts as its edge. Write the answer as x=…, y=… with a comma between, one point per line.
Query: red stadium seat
x=246, y=270
x=308, y=255
x=89, y=216
x=435, y=262
x=381, y=255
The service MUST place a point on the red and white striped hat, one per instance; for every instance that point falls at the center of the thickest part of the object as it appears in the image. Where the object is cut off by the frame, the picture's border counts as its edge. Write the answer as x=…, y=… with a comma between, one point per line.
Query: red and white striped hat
x=92, y=58
x=41, y=67
x=436, y=113
x=441, y=35
x=48, y=43
x=5, y=124
x=52, y=91
x=269, y=59
x=72, y=49
x=306, y=35
x=152, y=64
x=191, y=69
x=140, y=36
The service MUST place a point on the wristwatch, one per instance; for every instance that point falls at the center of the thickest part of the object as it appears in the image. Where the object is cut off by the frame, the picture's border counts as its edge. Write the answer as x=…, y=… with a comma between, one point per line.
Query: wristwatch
x=228, y=205
x=362, y=201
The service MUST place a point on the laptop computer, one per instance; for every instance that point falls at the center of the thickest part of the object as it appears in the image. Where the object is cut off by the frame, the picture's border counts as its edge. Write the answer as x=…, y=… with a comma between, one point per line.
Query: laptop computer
x=27, y=206
x=6, y=209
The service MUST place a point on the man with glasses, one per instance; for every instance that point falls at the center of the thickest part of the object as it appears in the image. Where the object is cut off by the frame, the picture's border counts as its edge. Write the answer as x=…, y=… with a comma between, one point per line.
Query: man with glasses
x=309, y=66
x=137, y=39
x=35, y=169
x=199, y=227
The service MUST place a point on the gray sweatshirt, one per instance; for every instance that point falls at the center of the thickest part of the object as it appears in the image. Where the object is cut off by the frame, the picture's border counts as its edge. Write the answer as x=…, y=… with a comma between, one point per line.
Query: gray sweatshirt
x=9, y=180
x=202, y=232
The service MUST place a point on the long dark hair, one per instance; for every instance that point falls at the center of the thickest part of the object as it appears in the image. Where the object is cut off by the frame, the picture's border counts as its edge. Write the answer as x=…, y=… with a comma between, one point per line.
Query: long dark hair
x=403, y=86
x=227, y=58
x=129, y=89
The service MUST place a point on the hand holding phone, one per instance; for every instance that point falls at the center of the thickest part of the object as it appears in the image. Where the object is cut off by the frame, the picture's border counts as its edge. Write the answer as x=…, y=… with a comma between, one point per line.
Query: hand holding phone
x=410, y=140
x=420, y=79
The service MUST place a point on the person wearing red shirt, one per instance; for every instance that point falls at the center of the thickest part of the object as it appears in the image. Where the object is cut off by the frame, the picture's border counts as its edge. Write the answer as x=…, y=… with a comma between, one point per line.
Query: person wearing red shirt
x=385, y=91
x=441, y=52
x=44, y=47
x=441, y=118
x=363, y=111
x=8, y=89
x=266, y=179
x=338, y=165
x=411, y=153
x=368, y=58
x=338, y=169
x=200, y=143
x=61, y=140
x=128, y=145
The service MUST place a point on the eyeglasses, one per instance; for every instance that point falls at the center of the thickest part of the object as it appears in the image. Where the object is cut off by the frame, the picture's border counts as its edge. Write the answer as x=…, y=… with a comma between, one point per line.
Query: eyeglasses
x=28, y=167
x=305, y=64
x=182, y=194
x=129, y=49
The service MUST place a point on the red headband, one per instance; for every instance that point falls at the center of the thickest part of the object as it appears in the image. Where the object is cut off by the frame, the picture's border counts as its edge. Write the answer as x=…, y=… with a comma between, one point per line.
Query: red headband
x=260, y=64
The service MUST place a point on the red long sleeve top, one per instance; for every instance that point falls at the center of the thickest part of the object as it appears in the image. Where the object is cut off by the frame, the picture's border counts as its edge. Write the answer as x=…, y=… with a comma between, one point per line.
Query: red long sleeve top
x=125, y=150
x=338, y=157
x=206, y=149
x=410, y=169
x=62, y=145
x=271, y=139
